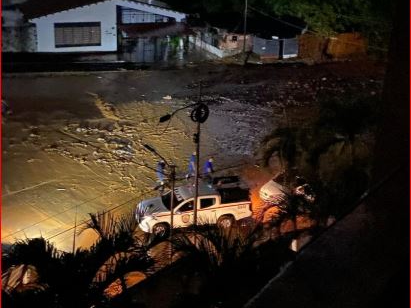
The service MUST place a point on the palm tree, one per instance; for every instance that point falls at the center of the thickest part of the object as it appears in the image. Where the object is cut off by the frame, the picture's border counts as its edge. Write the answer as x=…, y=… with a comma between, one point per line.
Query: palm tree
x=334, y=136
x=117, y=250
x=341, y=120
x=86, y=272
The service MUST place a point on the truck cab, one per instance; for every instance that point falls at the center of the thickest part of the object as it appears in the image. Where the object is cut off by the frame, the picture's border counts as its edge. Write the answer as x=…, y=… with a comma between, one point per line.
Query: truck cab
x=216, y=205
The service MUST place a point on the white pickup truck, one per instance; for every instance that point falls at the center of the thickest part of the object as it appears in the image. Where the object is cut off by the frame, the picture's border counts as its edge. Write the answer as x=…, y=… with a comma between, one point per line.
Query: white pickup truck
x=216, y=205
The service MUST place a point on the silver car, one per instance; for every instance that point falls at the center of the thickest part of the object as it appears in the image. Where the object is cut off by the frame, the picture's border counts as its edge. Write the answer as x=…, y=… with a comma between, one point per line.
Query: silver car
x=274, y=193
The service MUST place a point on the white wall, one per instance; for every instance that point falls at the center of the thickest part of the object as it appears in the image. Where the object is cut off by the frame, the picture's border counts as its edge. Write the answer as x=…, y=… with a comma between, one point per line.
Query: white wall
x=221, y=53
x=103, y=12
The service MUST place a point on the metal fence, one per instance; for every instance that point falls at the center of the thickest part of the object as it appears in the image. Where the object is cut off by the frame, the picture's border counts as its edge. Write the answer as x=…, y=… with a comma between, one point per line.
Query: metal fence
x=276, y=48
x=265, y=47
x=290, y=48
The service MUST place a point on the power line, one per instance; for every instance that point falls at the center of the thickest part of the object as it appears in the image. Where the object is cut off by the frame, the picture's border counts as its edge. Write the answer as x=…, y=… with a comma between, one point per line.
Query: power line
x=51, y=217
x=109, y=210
x=364, y=19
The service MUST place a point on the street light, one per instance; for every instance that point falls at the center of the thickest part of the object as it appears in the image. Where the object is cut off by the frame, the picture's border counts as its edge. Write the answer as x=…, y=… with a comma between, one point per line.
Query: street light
x=173, y=179
x=168, y=116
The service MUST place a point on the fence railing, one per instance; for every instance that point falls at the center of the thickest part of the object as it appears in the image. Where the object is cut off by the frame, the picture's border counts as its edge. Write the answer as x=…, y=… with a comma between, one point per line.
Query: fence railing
x=276, y=48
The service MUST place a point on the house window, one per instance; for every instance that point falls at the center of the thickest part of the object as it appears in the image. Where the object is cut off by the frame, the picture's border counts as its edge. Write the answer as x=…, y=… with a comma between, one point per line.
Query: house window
x=234, y=38
x=77, y=34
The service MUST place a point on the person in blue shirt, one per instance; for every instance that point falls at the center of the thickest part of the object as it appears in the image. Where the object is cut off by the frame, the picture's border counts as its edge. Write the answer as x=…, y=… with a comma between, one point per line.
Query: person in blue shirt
x=160, y=171
x=192, y=165
x=208, y=170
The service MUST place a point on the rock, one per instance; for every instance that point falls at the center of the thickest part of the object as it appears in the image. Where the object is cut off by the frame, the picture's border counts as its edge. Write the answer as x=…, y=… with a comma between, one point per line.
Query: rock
x=167, y=97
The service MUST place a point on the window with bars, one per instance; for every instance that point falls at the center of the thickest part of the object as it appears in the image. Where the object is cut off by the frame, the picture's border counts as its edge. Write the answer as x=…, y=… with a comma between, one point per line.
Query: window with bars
x=131, y=16
x=77, y=34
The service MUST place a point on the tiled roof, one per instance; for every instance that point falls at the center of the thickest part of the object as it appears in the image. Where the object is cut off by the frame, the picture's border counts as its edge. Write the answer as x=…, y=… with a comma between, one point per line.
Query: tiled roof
x=37, y=8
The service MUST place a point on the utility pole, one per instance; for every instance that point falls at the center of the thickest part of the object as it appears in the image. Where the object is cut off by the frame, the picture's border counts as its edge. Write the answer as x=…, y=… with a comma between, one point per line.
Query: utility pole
x=75, y=231
x=198, y=115
x=173, y=179
x=197, y=173
x=245, y=25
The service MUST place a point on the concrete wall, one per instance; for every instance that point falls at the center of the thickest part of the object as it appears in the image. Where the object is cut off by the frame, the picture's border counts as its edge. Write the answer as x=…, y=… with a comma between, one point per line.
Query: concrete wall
x=346, y=45
x=312, y=47
x=221, y=53
x=228, y=43
x=103, y=12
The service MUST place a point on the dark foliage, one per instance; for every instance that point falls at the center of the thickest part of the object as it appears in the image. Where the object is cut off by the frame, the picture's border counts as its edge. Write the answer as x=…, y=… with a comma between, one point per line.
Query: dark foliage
x=70, y=278
x=235, y=265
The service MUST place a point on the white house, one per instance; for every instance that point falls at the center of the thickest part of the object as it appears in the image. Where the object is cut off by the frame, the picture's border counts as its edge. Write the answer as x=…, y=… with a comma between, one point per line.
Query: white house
x=91, y=25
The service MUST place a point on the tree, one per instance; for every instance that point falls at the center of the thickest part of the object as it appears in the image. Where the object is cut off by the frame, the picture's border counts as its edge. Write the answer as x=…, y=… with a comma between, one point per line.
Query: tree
x=117, y=251
x=328, y=17
x=333, y=153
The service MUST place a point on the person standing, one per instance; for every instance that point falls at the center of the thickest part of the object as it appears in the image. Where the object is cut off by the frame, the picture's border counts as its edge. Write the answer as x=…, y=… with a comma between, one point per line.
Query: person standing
x=160, y=171
x=208, y=170
x=192, y=165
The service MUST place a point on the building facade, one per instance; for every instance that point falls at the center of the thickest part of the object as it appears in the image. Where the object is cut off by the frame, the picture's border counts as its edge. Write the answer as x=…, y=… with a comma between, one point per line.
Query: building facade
x=94, y=25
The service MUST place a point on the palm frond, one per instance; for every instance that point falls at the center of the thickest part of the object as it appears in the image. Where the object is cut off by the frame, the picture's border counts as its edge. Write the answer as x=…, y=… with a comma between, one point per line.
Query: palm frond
x=103, y=223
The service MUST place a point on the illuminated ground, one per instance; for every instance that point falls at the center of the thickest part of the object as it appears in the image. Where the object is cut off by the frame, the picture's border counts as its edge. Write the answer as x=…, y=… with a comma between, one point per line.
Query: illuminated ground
x=74, y=142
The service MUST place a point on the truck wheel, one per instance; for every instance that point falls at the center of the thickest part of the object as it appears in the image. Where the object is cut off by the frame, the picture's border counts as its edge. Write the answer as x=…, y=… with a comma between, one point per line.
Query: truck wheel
x=226, y=222
x=161, y=230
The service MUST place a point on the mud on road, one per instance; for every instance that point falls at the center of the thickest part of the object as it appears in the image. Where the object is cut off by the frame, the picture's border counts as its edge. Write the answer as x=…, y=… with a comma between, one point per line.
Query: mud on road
x=74, y=143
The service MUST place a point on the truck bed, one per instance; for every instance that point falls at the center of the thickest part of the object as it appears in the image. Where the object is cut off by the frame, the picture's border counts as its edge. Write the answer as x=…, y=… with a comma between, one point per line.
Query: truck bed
x=234, y=194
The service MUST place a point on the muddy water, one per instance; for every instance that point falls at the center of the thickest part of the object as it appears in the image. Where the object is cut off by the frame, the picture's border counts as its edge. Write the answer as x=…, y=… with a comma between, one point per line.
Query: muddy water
x=74, y=144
